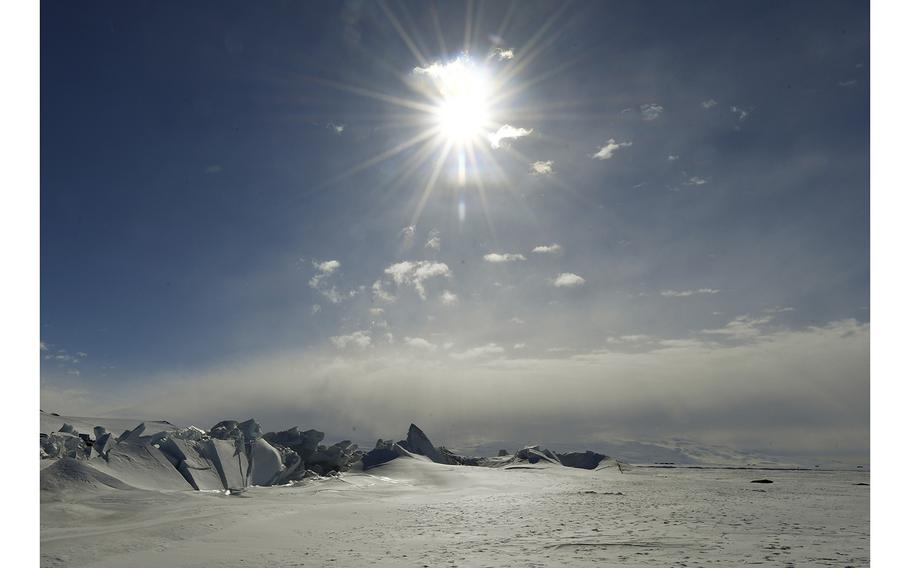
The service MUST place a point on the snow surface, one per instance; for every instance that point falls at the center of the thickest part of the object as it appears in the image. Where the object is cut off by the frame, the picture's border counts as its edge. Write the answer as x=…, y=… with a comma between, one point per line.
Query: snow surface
x=413, y=512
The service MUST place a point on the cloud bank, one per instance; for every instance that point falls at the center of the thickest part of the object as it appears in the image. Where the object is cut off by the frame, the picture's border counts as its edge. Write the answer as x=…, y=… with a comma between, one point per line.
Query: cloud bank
x=721, y=394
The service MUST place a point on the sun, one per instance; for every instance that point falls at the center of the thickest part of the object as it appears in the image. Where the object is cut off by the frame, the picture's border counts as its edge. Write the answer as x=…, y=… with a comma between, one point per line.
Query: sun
x=463, y=114
x=463, y=90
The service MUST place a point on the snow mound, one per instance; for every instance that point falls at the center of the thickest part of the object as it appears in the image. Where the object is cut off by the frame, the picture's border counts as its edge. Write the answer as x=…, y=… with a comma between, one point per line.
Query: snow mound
x=68, y=476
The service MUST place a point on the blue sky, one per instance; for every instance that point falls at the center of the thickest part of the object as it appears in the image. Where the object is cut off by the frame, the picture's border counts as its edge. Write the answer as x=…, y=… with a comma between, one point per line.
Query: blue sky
x=210, y=246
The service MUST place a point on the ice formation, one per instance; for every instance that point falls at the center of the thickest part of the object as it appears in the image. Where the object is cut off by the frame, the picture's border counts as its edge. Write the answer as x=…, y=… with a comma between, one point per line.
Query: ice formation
x=234, y=455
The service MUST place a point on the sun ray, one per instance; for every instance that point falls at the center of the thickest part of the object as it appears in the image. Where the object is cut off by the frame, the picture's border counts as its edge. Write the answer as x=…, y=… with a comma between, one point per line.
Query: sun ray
x=403, y=34
x=506, y=94
x=530, y=50
x=382, y=156
x=506, y=19
x=478, y=17
x=482, y=195
x=412, y=163
x=439, y=37
x=392, y=99
x=468, y=21
x=428, y=189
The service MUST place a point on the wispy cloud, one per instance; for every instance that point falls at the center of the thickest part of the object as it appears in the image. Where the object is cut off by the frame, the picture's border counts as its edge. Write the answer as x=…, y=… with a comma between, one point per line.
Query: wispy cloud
x=359, y=339
x=651, y=112
x=568, y=280
x=488, y=350
x=380, y=293
x=779, y=310
x=407, y=236
x=710, y=103
x=419, y=343
x=448, y=298
x=695, y=180
x=434, y=241
x=742, y=327
x=632, y=338
x=336, y=128
x=504, y=54
x=415, y=273
x=606, y=151
x=548, y=249
x=507, y=132
x=497, y=258
x=687, y=293
x=542, y=168
x=740, y=112
x=319, y=282
x=672, y=158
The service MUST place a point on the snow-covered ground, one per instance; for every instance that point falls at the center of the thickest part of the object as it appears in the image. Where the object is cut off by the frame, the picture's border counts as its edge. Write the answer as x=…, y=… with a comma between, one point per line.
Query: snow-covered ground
x=412, y=512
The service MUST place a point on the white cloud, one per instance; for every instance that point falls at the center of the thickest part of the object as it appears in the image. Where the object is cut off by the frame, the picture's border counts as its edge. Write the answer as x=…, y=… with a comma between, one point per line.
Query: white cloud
x=333, y=295
x=337, y=128
x=318, y=281
x=448, y=298
x=43, y=346
x=419, y=343
x=779, y=310
x=327, y=267
x=651, y=111
x=488, y=350
x=542, y=168
x=497, y=258
x=376, y=312
x=434, y=242
x=507, y=132
x=359, y=339
x=672, y=157
x=407, y=236
x=849, y=83
x=740, y=112
x=504, y=54
x=606, y=151
x=548, y=249
x=381, y=294
x=742, y=327
x=687, y=293
x=708, y=104
x=518, y=346
x=415, y=273
x=568, y=280
x=517, y=321
x=315, y=309
x=695, y=180
x=634, y=338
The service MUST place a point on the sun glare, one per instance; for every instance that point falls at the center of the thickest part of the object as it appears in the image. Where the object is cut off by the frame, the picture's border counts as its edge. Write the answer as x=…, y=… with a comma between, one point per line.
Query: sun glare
x=462, y=110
